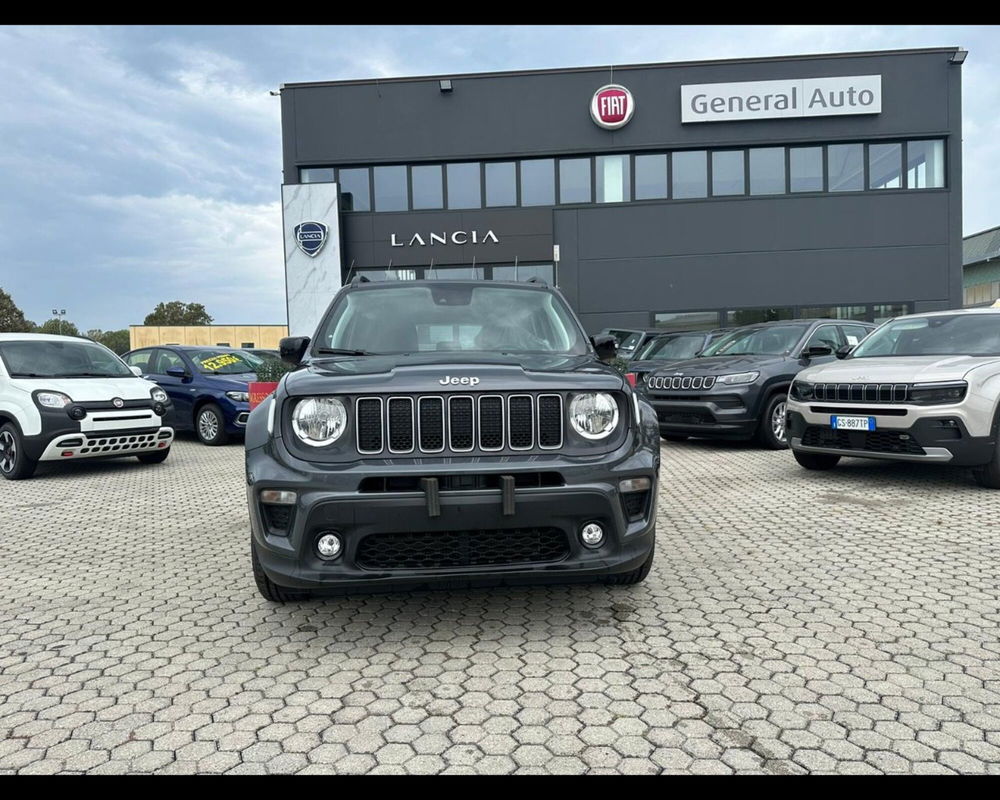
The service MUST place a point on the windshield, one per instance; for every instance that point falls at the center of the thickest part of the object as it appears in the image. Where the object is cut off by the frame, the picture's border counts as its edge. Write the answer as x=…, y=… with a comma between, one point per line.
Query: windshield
x=42, y=358
x=672, y=347
x=946, y=335
x=772, y=340
x=631, y=341
x=225, y=362
x=410, y=319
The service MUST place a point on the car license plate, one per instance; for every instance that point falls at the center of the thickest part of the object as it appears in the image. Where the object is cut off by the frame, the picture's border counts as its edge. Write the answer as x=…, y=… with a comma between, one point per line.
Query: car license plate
x=852, y=423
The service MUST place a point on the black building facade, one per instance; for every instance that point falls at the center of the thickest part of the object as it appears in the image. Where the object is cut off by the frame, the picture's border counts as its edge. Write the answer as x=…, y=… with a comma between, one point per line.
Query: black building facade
x=674, y=195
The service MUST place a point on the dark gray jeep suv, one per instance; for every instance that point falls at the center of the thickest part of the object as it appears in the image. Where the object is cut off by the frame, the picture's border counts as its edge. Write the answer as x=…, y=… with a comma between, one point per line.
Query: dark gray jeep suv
x=737, y=388
x=449, y=431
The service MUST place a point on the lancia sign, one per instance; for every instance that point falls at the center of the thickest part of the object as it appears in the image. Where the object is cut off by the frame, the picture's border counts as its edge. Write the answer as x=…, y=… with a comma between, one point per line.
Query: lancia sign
x=310, y=237
x=612, y=106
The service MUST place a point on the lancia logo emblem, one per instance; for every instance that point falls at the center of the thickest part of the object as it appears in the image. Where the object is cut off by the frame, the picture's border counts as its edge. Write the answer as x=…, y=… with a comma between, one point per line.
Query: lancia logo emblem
x=118, y=402
x=612, y=106
x=310, y=237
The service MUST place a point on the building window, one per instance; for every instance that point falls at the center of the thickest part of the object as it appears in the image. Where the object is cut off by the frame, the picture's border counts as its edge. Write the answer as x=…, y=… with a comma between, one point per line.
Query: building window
x=727, y=173
x=523, y=272
x=748, y=316
x=925, y=164
x=389, y=274
x=845, y=166
x=354, y=190
x=501, y=184
x=222, y=344
x=805, y=169
x=690, y=173
x=767, y=170
x=246, y=345
x=686, y=320
x=833, y=312
x=651, y=177
x=538, y=182
x=463, y=186
x=574, y=180
x=426, y=185
x=613, y=185
x=390, y=189
x=885, y=165
x=880, y=313
x=316, y=175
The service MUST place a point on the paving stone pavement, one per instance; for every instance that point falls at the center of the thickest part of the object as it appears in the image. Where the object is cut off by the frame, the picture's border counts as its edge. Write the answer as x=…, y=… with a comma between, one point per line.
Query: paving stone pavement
x=793, y=621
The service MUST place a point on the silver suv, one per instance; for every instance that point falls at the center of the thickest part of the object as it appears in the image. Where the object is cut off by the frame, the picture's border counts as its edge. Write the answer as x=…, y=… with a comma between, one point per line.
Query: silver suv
x=924, y=387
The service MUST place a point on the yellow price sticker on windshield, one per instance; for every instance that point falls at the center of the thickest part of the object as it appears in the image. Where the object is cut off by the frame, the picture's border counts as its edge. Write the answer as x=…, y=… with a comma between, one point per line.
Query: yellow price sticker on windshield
x=218, y=362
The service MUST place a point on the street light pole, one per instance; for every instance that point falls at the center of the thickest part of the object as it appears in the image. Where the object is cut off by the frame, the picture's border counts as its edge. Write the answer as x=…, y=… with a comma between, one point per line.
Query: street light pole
x=59, y=314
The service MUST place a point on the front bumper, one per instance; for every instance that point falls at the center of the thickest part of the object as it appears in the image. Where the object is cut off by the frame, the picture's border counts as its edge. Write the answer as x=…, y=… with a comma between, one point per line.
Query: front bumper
x=719, y=412
x=332, y=500
x=933, y=434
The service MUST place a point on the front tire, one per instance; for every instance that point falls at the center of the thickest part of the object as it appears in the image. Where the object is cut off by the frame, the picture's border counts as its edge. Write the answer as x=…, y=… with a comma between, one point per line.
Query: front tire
x=268, y=589
x=15, y=464
x=772, y=433
x=154, y=458
x=988, y=475
x=635, y=576
x=816, y=460
x=210, y=425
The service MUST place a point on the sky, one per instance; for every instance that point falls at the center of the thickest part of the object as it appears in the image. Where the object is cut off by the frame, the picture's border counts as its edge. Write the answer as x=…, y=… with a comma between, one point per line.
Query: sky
x=143, y=164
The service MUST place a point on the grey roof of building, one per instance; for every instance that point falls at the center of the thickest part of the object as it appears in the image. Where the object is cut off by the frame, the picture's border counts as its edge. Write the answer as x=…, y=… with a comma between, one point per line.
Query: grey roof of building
x=981, y=246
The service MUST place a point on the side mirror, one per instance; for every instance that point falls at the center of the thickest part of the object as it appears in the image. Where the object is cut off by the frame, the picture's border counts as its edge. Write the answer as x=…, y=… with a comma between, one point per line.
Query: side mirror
x=818, y=350
x=177, y=372
x=293, y=348
x=606, y=346
x=136, y=371
x=844, y=350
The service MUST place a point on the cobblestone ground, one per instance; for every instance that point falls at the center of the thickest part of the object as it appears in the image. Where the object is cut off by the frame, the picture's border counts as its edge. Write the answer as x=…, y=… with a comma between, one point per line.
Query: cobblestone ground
x=793, y=621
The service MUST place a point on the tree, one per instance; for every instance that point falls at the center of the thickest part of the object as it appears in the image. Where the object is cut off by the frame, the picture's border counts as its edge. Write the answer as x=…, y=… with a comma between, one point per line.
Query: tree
x=178, y=313
x=60, y=327
x=117, y=341
x=11, y=317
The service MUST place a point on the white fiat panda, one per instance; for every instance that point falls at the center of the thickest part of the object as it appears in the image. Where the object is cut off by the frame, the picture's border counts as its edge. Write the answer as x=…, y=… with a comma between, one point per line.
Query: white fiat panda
x=64, y=399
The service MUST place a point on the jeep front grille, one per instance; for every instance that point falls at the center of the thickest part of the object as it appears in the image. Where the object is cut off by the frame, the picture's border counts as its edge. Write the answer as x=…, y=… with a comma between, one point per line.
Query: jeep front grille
x=458, y=423
x=683, y=382
x=862, y=392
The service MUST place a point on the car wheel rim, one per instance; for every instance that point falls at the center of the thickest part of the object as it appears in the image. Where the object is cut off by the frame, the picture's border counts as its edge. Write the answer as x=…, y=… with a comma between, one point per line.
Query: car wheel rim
x=208, y=425
x=8, y=451
x=778, y=421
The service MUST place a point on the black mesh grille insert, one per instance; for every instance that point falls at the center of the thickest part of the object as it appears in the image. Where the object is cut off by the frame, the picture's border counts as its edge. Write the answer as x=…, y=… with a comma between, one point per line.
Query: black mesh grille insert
x=444, y=549
x=635, y=504
x=549, y=421
x=520, y=413
x=400, y=424
x=870, y=441
x=460, y=423
x=369, y=425
x=277, y=518
x=431, y=423
x=491, y=423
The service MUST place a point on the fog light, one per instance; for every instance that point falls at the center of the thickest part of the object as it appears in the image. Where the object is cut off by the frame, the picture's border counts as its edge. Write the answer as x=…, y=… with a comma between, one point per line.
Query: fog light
x=328, y=546
x=277, y=497
x=634, y=485
x=592, y=534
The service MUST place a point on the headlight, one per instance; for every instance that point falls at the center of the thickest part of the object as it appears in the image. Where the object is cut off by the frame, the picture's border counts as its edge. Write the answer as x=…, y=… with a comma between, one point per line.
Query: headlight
x=938, y=394
x=238, y=397
x=801, y=391
x=53, y=399
x=593, y=415
x=319, y=421
x=738, y=379
x=159, y=395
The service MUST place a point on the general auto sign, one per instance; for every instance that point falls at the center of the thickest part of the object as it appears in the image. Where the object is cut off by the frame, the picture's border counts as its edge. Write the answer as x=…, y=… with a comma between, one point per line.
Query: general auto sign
x=797, y=97
x=612, y=106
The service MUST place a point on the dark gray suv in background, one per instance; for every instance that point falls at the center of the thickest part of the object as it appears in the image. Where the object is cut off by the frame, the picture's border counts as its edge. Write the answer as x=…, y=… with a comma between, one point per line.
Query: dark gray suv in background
x=443, y=431
x=737, y=388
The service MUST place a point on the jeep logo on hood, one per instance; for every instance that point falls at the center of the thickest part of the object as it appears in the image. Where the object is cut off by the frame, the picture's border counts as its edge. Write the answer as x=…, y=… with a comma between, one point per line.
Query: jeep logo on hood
x=448, y=380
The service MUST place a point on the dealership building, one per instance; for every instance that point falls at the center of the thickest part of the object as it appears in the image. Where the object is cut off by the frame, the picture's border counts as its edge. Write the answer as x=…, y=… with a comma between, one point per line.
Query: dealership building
x=674, y=195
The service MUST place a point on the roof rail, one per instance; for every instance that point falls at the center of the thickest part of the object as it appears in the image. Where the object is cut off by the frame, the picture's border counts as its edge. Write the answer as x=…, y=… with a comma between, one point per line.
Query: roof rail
x=357, y=280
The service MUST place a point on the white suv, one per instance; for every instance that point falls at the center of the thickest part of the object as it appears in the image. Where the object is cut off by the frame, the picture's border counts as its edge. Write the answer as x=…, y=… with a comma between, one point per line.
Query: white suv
x=63, y=399
x=924, y=387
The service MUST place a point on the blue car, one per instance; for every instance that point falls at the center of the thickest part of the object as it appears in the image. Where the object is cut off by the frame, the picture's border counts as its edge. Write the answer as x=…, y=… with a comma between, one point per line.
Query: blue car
x=208, y=387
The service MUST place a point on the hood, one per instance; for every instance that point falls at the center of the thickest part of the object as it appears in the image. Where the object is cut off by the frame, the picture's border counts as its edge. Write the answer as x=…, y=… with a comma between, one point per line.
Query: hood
x=718, y=365
x=897, y=369
x=422, y=373
x=648, y=365
x=90, y=390
x=231, y=383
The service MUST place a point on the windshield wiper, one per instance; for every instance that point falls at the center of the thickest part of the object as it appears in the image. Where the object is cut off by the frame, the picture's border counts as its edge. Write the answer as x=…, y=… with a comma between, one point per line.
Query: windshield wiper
x=91, y=375
x=30, y=375
x=340, y=351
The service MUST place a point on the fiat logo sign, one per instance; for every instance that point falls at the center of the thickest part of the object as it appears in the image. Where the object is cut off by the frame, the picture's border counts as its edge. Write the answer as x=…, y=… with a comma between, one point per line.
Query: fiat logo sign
x=612, y=106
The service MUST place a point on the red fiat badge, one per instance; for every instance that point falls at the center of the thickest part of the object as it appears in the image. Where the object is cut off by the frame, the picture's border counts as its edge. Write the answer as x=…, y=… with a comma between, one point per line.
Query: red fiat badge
x=612, y=106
